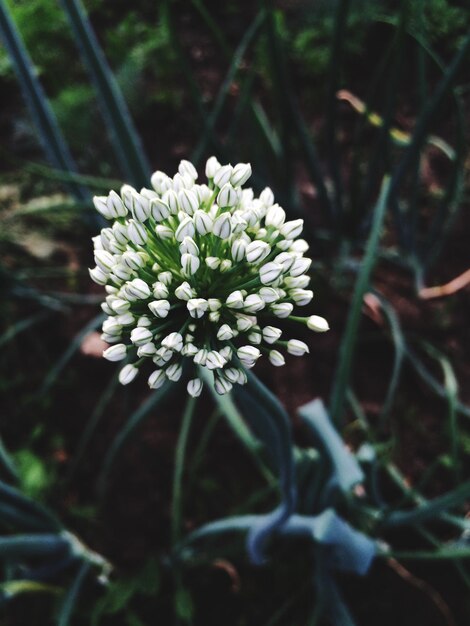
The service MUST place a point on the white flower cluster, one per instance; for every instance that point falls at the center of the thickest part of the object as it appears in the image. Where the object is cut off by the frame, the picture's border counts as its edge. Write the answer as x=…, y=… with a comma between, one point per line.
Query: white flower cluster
x=199, y=272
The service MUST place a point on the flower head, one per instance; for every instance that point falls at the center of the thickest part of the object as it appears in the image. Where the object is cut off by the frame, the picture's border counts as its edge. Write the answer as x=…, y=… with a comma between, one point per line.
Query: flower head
x=199, y=273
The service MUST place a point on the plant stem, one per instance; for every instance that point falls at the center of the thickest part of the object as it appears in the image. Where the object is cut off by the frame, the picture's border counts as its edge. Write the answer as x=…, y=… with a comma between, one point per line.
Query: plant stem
x=180, y=455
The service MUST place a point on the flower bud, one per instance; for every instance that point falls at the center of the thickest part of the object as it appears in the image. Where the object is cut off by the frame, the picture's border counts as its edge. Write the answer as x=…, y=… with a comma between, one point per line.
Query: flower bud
x=235, y=300
x=267, y=197
x=102, y=207
x=186, y=168
x=275, y=216
x=116, y=352
x=156, y=379
x=203, y=222
x=227, y=196
x=222, y=385
x=276, y=358
x=140, y=335
x=214, y=360
x=189, y=245
x=184, y=291
x=301, y=297
x=194, y=387
x=257, y=251
x=297, y=347
x=140, y=207
x=214, y=304
x=160, y=308
x=222, y=226
x=212, y=166
x=127, y=374
x=146, y=350
x=318, y=324
x=159, y=209
x=245, y=322
x=300, y=266
x=282, y=309
x=120, y=306
x=174, y=372
x=98, y=276
x=189, y=263
x=137, y=233
x=197, y=307
x=173, y=341
x=138, y=289
x=225, y=333
x=104, y=260
x=253, y=303
x=297, y=282
x=185, y=229
x=164, y=232
x=188, y=201
x=292, y=229
x=271, y=334
x=222, y=175
x=115, y=205
x=201, y=357
x=238, y=250
x=248, y=355
x=270, y=272
x=212, y=262
x=241, y=173
x=166, y=278
x=160, y=291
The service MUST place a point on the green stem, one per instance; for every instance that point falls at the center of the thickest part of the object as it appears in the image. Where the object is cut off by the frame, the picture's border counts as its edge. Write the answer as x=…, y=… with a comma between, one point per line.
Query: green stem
x=180, y=455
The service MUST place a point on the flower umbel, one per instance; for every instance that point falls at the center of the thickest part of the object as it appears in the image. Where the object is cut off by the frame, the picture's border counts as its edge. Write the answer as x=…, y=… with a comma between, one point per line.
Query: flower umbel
x=199, y=272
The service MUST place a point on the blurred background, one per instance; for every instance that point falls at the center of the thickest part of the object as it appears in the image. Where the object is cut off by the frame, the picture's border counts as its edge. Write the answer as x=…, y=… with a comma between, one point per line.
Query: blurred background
x=324, y=99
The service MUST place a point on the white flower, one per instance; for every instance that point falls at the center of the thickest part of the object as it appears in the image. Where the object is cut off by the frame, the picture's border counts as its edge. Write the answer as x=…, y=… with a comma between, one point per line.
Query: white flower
x=297, y=347
x=300, y=266
x=222, y=385
x=98, y=276
x=137, y=233
x=248, y=355
x=197, y=307
x=116, y=352
x=253, y=303
x=185, y=229
x=267, y=197
x=174, y=371
x=188, y=201
x=140, y=335
x=203, y=222
x=173, y=341
x=276, y=358
x=138, y=289
x=186, y=168
x=194, y=387
x=215, y=360
x=159, y=209
x=147, y=349
x=160, y=290
x=160, y=308
x=127, y=374
x=270, y=272
x=222, y=175
x=292, y=229
x=225, y=333
x=238, y=250
x=227, y=196
x=271, y=334
x=190, y=263
x=257, y=251
x=156, y=379
x=235, y=300
x=301, y=297
x=184, y=291
x=282, y=309
x=318, y=324
x=240, y=174
x=275, y=216
x=206, y=261
x=222, y=226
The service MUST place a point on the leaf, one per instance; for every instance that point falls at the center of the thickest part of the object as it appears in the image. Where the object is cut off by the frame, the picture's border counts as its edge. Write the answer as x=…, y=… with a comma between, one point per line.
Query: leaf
x=349, y=340
x=346, y=470
x=126, y=141
x=50, y=136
